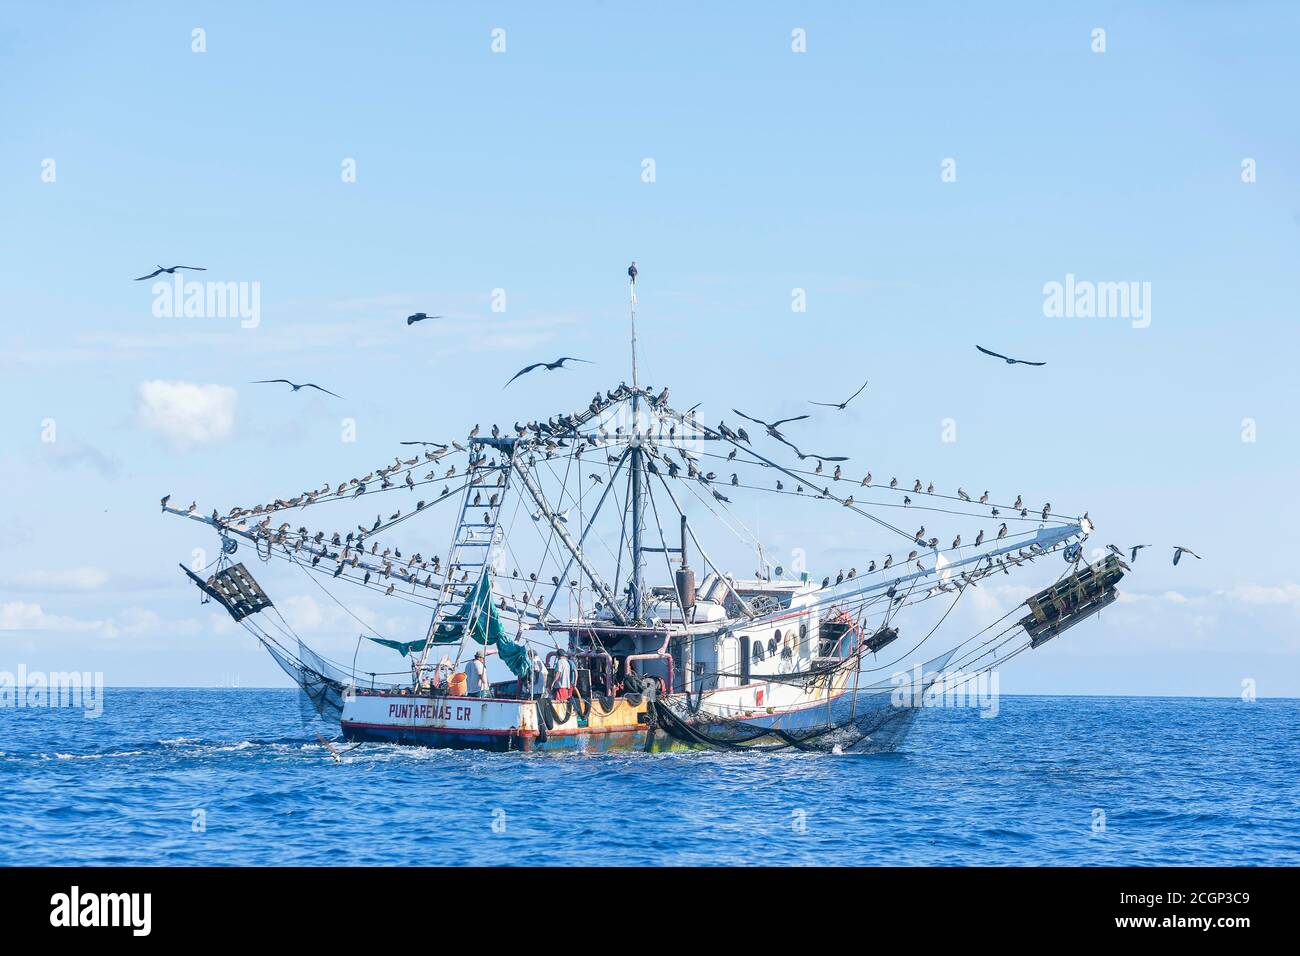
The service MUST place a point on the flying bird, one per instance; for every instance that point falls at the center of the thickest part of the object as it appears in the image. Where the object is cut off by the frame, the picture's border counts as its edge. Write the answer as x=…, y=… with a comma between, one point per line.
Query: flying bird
x=420, y=317
x=1178, y=553
x=841, y=405
x=1009, y=361
x=771, y=426
x=169, y=270
x=549, y=366
x=270, y=381
x=805, y=456
x=1133, y=551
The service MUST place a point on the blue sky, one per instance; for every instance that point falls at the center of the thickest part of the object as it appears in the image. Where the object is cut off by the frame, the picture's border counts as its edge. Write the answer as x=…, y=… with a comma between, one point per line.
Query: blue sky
x=774, y=171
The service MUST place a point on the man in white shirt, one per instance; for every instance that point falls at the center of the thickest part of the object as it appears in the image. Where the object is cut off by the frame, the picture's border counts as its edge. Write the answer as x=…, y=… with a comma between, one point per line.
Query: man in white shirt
x=476, y=682
x=538, y=674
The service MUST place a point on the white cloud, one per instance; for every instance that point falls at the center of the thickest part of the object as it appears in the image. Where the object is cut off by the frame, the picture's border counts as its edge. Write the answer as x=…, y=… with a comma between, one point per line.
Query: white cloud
x=1265, y=594
x=187, y=414
x=23, y=616
x=69, y=579
x=304, y=613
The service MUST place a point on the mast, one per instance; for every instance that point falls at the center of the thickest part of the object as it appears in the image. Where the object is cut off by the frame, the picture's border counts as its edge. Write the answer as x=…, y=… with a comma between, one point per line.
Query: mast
x=637, y=464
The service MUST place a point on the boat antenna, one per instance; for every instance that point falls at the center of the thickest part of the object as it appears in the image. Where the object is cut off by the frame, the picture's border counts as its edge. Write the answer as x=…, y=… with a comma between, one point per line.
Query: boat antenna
x=636, y=464
x=631, y=274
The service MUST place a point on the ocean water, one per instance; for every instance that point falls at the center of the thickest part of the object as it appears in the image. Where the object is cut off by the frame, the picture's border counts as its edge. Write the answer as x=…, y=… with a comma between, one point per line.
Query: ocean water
x=185, y=776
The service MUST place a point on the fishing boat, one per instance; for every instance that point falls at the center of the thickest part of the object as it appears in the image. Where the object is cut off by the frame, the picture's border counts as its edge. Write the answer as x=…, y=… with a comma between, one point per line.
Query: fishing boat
x=578, y=565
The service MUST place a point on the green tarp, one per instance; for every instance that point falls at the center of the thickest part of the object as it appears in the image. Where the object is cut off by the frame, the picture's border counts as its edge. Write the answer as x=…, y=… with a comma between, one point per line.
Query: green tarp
x=479, y=614
x=403, y=648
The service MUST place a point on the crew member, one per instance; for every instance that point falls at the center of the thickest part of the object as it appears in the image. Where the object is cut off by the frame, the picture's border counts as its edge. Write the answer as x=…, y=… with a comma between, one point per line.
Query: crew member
x=537, y=686
x=476, y=682
x=562, y=683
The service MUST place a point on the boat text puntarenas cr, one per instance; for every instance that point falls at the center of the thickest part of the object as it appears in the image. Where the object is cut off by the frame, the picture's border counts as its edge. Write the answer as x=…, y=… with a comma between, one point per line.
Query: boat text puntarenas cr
x=571, y=555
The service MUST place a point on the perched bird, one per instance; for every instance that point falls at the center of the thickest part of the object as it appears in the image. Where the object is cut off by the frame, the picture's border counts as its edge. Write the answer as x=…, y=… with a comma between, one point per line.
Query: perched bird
x=1179, y=550
x=962, y=495
x=549, y=366
x=170, y=270
x=420, y=317
x=1009, y=361
x=271, y=381
x=841, y=405
x=631, y=271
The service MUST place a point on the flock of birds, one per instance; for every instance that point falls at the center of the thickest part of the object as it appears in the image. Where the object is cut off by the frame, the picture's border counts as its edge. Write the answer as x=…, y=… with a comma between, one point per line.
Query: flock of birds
x=385, y=569
x=410, y=320
x=550, y=438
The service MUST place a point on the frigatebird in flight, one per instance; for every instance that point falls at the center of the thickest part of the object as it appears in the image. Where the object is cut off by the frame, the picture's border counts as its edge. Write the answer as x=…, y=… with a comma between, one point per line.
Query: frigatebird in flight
x=420, y=317
x=169, y=270
x=549, y=366
x=841, y=405
x=1009, y=361
x=771, y=426
x=271, y=381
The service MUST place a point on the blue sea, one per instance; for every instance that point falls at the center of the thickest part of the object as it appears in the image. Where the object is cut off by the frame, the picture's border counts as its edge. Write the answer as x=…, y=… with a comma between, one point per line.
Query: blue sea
x=237, y=777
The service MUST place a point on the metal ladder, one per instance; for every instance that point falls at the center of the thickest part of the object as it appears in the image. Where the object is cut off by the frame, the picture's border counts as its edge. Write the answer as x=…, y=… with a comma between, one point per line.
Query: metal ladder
x=472, y=540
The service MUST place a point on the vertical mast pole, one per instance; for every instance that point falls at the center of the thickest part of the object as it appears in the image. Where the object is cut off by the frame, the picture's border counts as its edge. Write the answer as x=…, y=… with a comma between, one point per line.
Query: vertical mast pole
x=636, y=462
